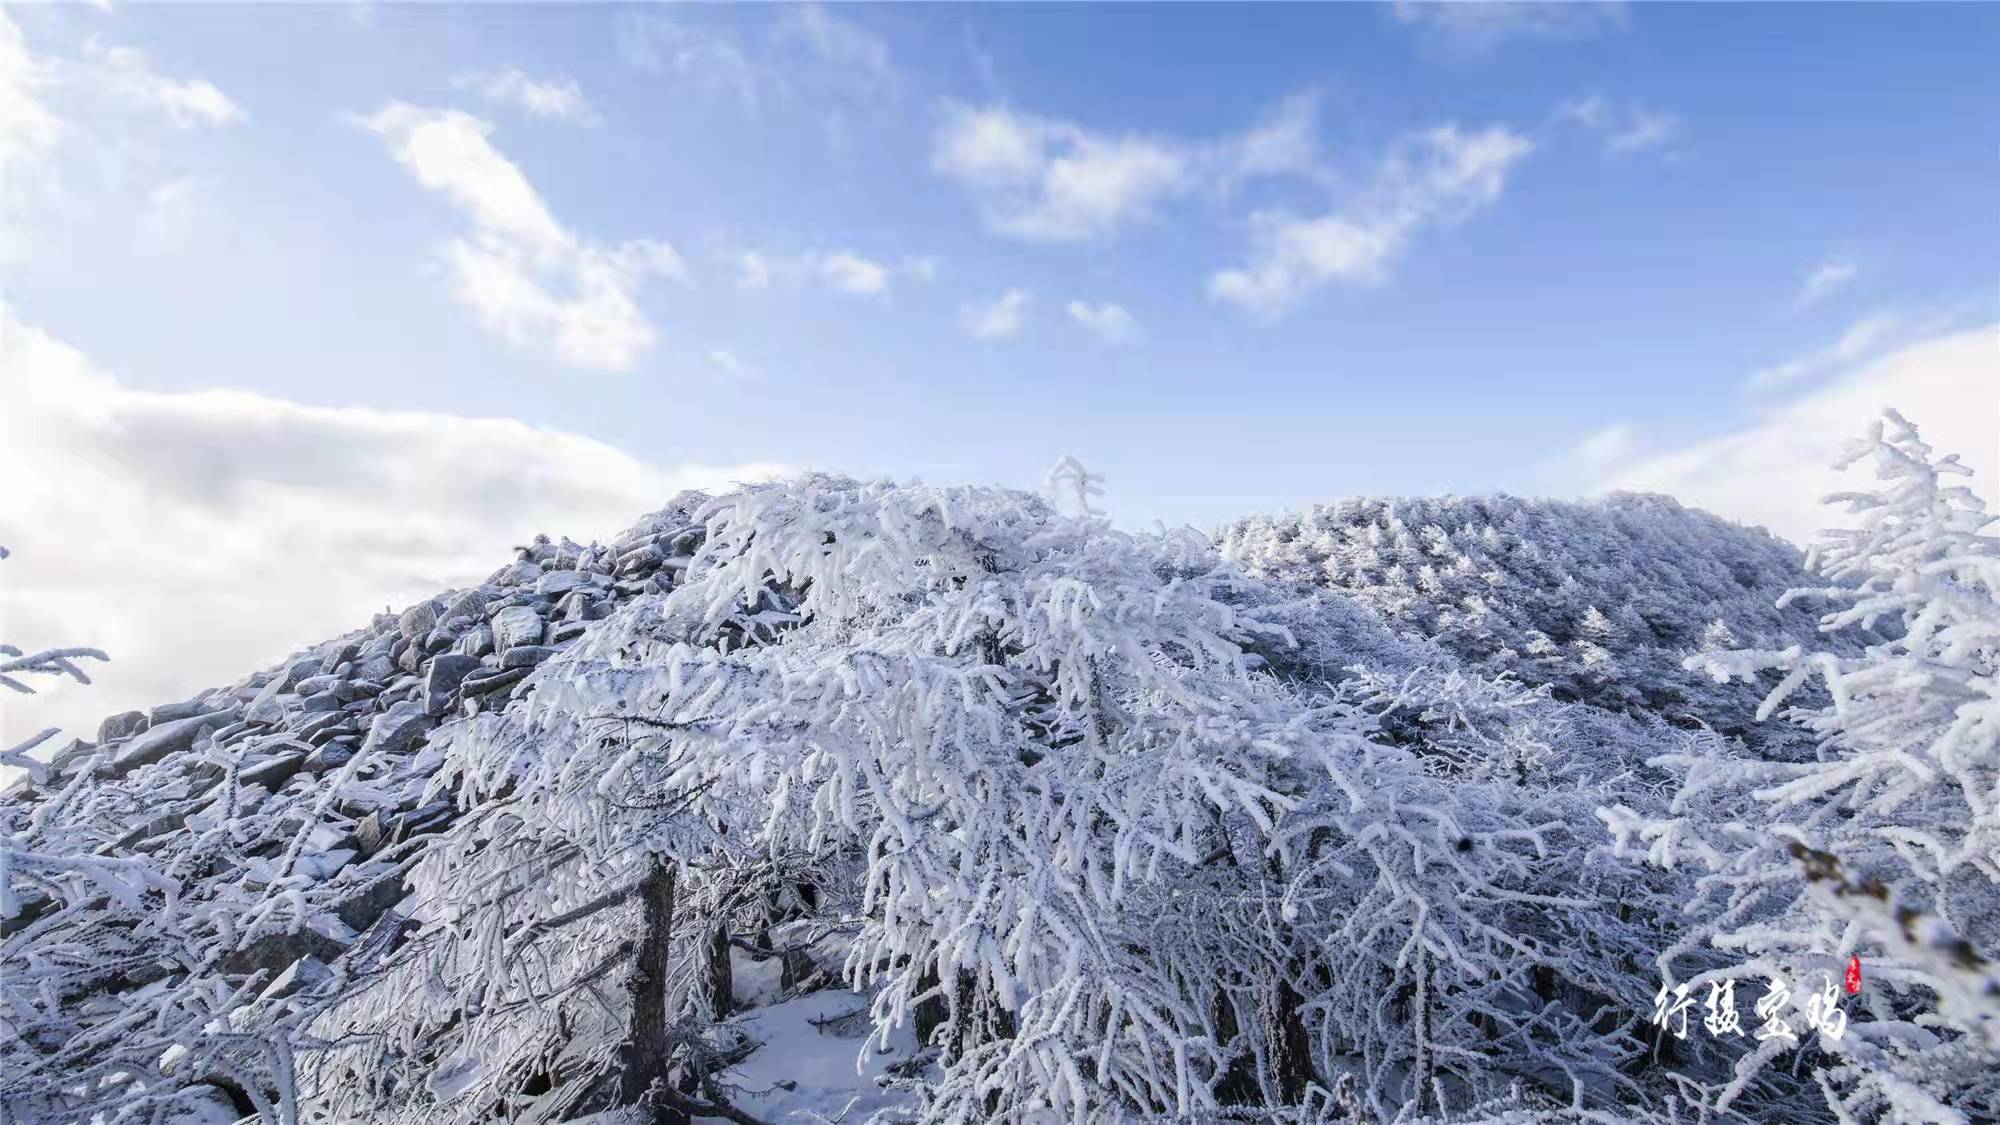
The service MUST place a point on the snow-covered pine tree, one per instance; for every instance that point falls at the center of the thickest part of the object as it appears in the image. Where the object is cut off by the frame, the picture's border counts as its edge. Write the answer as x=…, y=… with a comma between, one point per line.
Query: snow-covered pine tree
x=1888, y=845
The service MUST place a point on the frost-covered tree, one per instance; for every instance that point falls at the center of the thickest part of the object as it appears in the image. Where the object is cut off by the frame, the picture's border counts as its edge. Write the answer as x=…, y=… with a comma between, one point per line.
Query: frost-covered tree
x=1104, y=854
x=15, y=669
x=1600, y=600
x=1887, y=845
x=1121, y=830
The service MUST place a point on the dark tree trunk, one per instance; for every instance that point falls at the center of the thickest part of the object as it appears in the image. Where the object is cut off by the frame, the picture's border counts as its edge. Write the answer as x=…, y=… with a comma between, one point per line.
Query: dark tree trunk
x=644, y=1056
x=931, y=1013
x=1291, y=1049
x=721, y=974
x=1238, y=1083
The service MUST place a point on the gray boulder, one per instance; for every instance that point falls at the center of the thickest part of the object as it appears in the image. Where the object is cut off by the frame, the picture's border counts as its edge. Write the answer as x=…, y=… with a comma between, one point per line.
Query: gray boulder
x=169, y=738
x=558, y=582
x=169, y=712
x=492, y=680
x=336, y=654
x=320, y=701
x=525, y=656
x=516, y=625
x=417, y=620
x=120, y=725
x=471, y=603
x=307, y=972
x=395, y=729
x=442, y=678
x=477, y=641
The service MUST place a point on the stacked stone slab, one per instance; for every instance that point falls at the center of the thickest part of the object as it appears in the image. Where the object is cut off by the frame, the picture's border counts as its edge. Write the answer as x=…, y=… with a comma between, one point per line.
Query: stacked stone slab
x=337, y=742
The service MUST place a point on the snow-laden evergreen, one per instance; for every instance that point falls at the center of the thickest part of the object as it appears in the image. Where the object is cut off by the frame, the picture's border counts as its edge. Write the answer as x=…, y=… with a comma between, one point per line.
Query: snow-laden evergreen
x=1602, y=600
x=1888, y=844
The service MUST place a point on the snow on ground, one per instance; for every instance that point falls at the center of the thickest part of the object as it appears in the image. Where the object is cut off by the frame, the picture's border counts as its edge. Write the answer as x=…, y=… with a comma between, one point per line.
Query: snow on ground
x=820, y=1060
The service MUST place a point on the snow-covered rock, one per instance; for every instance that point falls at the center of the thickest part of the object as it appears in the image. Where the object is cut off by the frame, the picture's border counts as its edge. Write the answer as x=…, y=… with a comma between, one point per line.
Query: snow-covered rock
x=516, y=625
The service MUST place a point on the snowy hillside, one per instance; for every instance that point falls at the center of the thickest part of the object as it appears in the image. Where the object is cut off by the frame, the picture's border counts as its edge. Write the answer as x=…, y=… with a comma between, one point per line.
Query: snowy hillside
x=1601, y=600
x=843, y=800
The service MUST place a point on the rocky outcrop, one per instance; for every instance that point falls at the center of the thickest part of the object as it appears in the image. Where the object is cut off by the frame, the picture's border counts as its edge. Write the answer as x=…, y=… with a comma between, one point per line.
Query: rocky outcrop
x=334, y=745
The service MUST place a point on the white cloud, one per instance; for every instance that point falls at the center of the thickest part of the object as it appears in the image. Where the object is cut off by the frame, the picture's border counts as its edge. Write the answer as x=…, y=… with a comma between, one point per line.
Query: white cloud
x=710, y=62
x=1436, y=177
x=29, y=130
x=1626, y=128
x=517, y=250
x=125, y=73
x=840, y=43
x=1108, y=322
x=48, y=99
x=1867, y=336
x=1773, y=470
x=172, y=211
x=1284, y=142
x=809, y=62
x=751, y=271
x=1609, y=448
x=26, y=125
x=843, y=271
x=1823, y=282
x=726, y=362
x=1477, y=27
x=196, y=537
x=999, y=319
x=557, y=99
x=851, y=273
x=1044, y=180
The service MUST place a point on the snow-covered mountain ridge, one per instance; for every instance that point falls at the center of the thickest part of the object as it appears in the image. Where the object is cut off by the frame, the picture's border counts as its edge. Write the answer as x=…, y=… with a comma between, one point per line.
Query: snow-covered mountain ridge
x=1039, y=819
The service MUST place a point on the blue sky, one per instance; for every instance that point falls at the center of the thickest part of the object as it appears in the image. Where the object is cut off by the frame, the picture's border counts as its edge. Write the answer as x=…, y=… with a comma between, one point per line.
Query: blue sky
x=1599, y=284
x=1257, y=256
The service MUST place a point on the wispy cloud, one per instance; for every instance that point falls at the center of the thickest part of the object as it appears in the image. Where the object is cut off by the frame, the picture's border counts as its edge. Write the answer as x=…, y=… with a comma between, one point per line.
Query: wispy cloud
x=1773, y=467
x=110, y=97
x=1045, y=180
x=806, y=61
x=172, y=211
x=527, y=277
x=1474, y=28
x=1284, y=142
x=851, y=273
x=728, y=363
x=711, y=62
x=126, y=74
x=1433, y=178
x=1625, y=127
x=1589, y=461
x=1108, y=322
x=1865, y=337
x=999, y=319
x=839, y=43
x=843, y=271
x=1823, y=282
x=29, y=129
x=555, y=99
